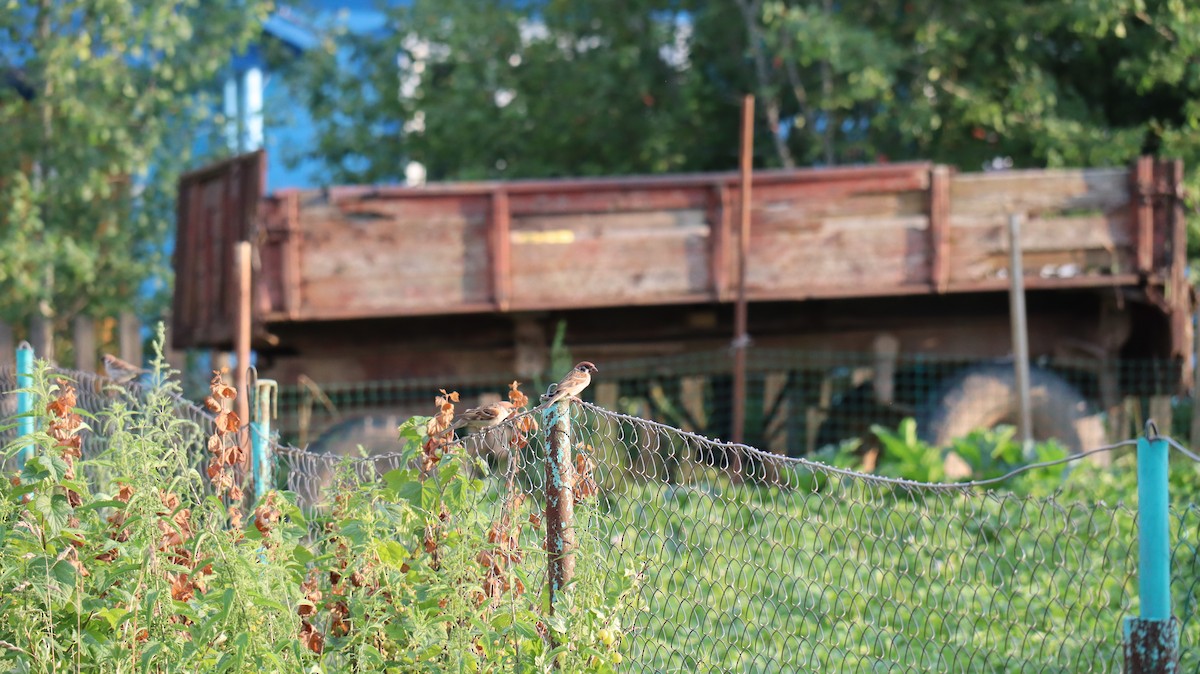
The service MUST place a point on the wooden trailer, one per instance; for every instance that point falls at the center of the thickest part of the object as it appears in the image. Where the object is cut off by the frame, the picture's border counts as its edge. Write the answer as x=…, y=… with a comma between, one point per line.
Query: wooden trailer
x=467, y=280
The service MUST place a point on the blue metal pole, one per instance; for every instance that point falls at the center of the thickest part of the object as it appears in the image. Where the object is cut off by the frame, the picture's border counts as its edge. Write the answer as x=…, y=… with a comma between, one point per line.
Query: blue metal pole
x=265, y=401
x=1154, y=532
x=259, y=431
x=1152, y=638
x=25, y=420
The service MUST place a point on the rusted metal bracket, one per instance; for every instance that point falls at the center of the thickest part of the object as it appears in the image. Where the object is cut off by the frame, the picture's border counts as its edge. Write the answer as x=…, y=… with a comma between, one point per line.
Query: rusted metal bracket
x=939, y=228
x=499, y=225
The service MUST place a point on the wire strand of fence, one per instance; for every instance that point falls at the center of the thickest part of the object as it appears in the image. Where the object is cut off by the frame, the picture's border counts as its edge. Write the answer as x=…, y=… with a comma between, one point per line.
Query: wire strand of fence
x=1182, y=450
x=758, y=453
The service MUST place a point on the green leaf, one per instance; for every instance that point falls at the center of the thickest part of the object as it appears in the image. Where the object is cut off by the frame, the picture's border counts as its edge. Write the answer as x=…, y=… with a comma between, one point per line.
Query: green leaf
x=43, y=467
x=64, y=572
x=148, y=655
x=301, y=554
x=455, y=494
x=114, y=616
x=391, y=553
x=100, y=504
x=404, y=485
x=53, y=511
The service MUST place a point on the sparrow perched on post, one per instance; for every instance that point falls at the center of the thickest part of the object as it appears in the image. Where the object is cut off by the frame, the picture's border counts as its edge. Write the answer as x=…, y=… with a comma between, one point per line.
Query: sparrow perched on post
x=484, y=416
x=121, y=371
x=571, y=385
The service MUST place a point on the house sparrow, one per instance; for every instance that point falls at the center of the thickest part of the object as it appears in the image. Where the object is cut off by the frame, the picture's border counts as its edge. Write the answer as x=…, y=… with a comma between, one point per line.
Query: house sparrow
x=484, y=416
x=121, y=371
x=571, y=385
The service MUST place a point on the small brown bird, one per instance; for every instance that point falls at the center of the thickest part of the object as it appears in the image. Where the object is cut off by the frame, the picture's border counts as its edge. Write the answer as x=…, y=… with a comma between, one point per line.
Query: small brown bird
x=484, y=416
x=573, y=384
x=121, y=371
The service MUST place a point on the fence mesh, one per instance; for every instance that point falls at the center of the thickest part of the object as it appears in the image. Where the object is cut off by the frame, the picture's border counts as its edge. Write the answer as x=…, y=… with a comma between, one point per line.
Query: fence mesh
x=797, y=402
x=746, y=560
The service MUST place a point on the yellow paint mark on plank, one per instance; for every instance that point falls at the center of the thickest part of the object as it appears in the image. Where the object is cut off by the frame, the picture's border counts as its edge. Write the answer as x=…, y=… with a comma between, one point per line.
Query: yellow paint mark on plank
x=549, y=236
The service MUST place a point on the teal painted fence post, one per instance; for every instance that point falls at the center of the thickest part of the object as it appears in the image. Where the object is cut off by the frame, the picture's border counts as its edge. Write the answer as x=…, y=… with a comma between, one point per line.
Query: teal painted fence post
x=1152, y=638
x=266, y=401
x=25, y=426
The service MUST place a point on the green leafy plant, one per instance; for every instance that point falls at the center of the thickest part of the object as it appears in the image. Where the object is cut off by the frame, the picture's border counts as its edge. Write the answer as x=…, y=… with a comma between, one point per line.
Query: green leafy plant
x=990, y=452
x=429, y=567
x=906, y=456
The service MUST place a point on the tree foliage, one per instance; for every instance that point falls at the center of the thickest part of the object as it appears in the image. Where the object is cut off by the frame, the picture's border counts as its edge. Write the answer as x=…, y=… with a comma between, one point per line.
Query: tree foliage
x=94, y=138
x=549, y=87
x=475, y=90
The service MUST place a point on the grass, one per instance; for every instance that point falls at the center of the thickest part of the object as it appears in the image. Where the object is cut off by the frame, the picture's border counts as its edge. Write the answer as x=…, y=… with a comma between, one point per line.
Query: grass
x=862, y=577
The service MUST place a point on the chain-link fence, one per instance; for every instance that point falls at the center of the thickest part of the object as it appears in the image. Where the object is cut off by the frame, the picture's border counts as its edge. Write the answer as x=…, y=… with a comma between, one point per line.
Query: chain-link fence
x=796, y=402
x=744, y=560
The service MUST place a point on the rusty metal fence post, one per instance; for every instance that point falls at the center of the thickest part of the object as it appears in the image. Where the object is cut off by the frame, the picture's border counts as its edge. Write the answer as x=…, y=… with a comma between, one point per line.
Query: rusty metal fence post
x=741, y=340
x=560, y=500
x=1152, y=638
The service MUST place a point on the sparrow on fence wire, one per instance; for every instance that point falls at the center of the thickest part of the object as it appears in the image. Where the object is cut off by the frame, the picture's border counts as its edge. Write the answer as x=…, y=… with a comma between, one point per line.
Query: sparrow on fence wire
x=484, y=416
x=121, y=371
x=571, y=385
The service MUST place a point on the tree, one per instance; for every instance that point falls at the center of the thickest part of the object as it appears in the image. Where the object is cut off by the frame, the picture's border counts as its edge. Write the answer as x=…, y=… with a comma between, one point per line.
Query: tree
x=477, y=90
x=94, y=138
x=573, y=88
x=1046, y=83
x=1043, y=83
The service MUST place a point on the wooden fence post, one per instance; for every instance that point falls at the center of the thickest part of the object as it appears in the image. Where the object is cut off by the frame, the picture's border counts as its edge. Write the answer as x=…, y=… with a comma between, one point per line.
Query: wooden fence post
x=560, y=499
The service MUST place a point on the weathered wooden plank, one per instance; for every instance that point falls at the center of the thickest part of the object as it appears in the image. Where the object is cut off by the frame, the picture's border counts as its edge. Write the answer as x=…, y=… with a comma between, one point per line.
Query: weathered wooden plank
x=613, y=226
x=853, y=257
x=863, y=206
x=446, y=207
x=834, y=194
x=1074, y=265
x=1089, y=244
x=617, y=255
x=614, y=274
x=394, y=254
x=607, y=201
x=1048, y=233
x=1036, y=192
